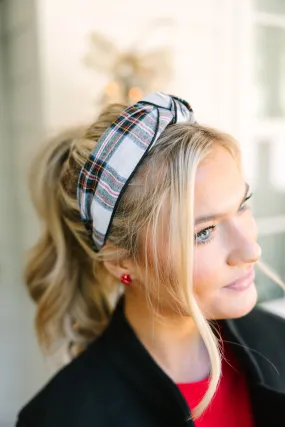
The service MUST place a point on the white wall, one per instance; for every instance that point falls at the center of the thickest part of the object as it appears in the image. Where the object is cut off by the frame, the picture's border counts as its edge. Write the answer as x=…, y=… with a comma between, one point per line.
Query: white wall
x=211, y=41
x=22, y=368
x=212, y=45
x=202, y=37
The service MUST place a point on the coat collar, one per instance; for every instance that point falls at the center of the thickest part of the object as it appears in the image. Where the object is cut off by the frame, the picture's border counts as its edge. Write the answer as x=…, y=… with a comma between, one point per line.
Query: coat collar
x=257, y=341
x=142, y=373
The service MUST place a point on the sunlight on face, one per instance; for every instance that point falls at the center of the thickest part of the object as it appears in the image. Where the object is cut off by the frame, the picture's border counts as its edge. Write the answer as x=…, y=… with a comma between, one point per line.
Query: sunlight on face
x=225, y=239
x=225, y=248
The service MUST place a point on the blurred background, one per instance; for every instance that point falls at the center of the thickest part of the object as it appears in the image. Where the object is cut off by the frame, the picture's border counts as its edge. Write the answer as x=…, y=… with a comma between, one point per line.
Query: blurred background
x=61, y=60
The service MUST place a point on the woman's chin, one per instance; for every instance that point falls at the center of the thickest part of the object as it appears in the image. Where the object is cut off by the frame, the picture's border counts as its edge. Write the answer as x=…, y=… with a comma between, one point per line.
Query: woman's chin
x=242, y=302
x=233, y=304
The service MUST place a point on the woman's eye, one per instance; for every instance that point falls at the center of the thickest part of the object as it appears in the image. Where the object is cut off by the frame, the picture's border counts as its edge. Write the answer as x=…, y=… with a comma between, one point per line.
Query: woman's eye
x=245, y=206
x=205, y=235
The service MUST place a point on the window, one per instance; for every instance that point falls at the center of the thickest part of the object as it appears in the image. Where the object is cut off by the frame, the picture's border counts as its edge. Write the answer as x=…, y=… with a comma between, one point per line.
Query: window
x=268, y=133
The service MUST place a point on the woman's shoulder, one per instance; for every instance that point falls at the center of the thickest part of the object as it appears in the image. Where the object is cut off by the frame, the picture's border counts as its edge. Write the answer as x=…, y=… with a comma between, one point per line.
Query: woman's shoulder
x=260, y=326
x=79, y=388
x=261, y=334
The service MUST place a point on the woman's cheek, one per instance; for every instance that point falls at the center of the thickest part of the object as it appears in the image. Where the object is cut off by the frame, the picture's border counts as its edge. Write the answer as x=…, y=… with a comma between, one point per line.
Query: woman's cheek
x=206, y=267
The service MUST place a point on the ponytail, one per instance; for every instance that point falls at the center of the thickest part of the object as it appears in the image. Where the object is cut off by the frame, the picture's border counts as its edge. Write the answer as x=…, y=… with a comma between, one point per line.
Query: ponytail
x=63, y=277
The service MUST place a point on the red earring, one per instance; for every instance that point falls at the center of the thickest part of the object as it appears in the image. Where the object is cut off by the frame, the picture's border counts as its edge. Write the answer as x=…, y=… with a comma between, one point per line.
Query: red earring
x=126, y=279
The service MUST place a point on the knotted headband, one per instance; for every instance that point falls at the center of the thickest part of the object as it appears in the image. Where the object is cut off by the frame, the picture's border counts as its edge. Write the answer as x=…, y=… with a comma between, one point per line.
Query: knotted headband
x=118, y=154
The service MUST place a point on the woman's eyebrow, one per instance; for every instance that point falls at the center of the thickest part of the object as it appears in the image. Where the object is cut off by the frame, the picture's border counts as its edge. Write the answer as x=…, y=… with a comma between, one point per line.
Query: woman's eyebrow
x=211, y=217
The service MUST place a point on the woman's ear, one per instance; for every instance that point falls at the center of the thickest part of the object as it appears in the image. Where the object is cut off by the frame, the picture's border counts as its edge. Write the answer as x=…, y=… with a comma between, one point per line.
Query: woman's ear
x=119, y=266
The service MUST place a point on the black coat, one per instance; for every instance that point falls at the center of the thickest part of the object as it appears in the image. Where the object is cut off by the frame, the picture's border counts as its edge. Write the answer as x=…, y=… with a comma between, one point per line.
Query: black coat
x=115, y=382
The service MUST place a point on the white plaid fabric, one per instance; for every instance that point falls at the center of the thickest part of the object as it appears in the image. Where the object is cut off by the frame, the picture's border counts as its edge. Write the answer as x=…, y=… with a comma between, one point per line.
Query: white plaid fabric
x=117, y=155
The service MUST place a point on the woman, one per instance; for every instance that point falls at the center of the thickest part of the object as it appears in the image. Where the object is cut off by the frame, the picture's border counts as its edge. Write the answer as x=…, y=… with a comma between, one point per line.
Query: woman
x=157, y=202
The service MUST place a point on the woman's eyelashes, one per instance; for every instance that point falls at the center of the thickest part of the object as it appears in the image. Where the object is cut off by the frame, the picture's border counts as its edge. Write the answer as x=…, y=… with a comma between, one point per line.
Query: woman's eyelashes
x=205, y=235
x=244, y=205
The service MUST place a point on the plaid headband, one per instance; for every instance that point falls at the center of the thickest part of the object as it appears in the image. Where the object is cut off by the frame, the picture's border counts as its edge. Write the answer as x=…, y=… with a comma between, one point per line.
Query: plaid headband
x=117, y=155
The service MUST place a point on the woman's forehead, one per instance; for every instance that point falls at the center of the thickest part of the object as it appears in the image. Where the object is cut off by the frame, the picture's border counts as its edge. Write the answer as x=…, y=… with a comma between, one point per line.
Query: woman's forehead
x=219, y=184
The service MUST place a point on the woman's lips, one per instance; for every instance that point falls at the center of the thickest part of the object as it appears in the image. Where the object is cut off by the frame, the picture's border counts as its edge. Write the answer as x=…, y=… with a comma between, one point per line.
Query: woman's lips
x=243, y=282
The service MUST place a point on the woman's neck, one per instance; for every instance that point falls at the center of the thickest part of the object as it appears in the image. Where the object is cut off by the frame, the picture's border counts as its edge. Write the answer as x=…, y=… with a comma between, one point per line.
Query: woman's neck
x=173, y=342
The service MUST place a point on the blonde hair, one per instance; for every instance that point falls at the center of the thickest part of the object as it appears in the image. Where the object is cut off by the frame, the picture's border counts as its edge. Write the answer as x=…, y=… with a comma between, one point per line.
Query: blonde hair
x=68, y=279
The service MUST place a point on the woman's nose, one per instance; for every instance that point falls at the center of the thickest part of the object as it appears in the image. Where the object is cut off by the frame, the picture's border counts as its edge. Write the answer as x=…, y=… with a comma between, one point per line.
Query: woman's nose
x=244, y=247
x=246, y=253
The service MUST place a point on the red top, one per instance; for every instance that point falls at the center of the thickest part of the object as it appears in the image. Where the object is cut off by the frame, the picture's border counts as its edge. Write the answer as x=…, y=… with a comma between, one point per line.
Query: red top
x=231, y=404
